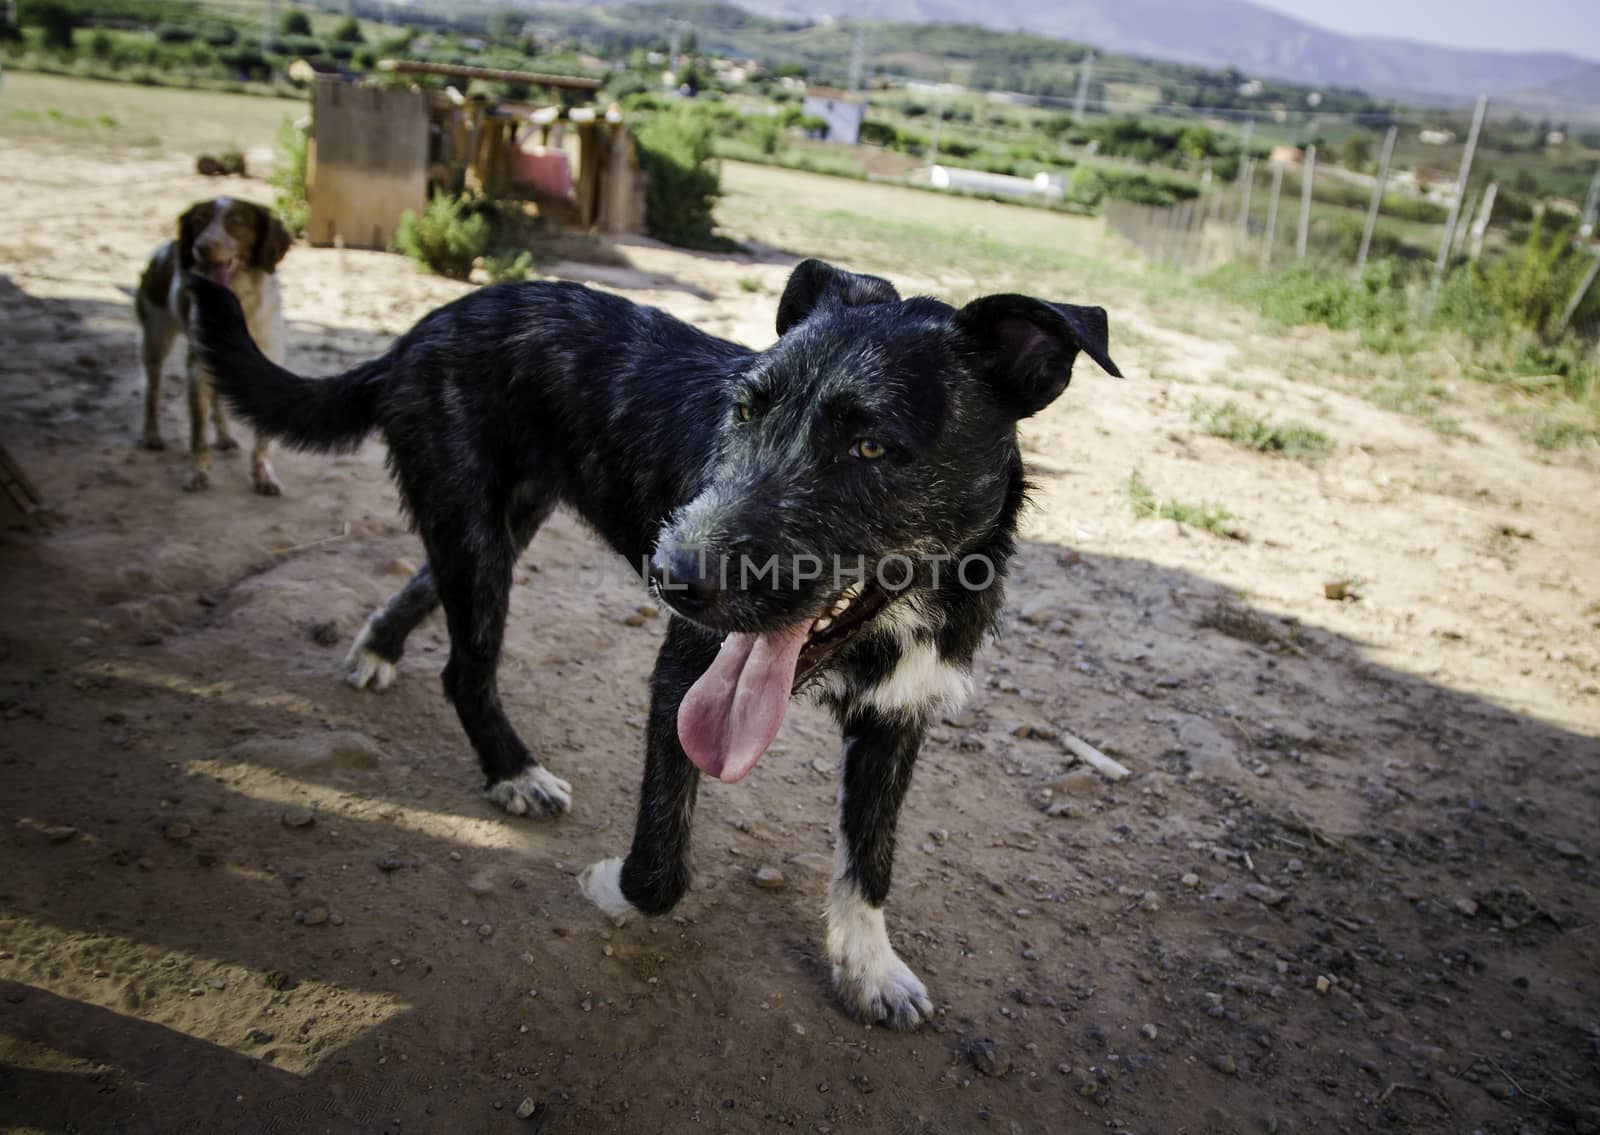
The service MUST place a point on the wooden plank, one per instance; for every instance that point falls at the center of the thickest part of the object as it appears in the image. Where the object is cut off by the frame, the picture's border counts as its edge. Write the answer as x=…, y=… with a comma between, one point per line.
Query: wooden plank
x=371, y=149
x=489, y=74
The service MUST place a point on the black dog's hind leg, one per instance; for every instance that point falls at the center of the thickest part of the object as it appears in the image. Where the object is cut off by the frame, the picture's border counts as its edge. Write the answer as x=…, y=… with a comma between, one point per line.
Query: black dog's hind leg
x=656, y=873
x=880, y=750
x=472, y=558
x=372, y=658
x=378, y=648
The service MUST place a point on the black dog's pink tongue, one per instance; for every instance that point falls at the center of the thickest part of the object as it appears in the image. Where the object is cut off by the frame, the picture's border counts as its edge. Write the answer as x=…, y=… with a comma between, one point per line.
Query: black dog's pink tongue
x=730, y=716
x=220, y=274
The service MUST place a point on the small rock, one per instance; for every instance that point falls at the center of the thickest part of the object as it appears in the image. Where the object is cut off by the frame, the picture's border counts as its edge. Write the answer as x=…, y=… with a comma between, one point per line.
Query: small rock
x=1323, y=984
x=485, y=930
x=1265, y=895
x=258, y=1036
x=178, y=830
x=768, y=878
x=1149, y=1032
x=526, y=1108
x=395, y=862
x=1191, y=880
x=1567, y=849
x=298, y=817
x=639, y=616
x=1466, y=907
x=481, y=883
x=1037, y=612
x=988, y=1057
x=325, y=634
x=1336, y=589
x=1499, y=1089
x=1226, y=1064
x=316, y=916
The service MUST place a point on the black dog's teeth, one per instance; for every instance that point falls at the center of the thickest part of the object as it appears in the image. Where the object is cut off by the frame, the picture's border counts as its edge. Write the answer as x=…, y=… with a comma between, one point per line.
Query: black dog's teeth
x=840, y=606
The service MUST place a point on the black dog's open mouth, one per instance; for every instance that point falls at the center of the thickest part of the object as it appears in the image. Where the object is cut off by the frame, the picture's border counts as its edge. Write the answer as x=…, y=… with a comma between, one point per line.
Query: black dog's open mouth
x=852, y=609
x=732, y=713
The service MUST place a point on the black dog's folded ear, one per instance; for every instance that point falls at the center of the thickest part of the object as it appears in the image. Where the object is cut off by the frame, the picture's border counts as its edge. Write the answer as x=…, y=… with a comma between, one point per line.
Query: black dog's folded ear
x=815, y=286
x=1031, y=345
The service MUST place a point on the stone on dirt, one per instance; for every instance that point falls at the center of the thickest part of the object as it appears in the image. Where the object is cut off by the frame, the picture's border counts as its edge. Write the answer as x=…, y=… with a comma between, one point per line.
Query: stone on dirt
x=988, y=1057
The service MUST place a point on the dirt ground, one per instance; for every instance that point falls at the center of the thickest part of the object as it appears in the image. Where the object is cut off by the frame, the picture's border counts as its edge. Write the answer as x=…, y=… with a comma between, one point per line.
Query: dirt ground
x=1350, y=884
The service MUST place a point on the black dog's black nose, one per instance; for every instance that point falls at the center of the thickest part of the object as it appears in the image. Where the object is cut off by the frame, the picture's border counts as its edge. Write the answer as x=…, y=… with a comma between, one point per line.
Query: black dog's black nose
x=686, y=577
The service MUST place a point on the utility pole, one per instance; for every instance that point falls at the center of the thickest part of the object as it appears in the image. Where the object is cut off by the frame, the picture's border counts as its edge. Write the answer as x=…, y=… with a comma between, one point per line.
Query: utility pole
x=1461, y=191
x=1377, y=198
x=1082, y=100
x=1272, y=216
x=1305, y=203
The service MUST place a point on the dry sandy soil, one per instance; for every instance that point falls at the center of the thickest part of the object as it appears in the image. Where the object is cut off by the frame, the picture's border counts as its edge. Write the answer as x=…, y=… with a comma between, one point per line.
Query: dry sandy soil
x=1350, y=884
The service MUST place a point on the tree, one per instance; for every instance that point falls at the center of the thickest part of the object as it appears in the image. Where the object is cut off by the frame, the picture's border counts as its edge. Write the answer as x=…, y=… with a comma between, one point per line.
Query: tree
x=349, y=31
x=1357, y=152
x=57, y=23
x=295, y=22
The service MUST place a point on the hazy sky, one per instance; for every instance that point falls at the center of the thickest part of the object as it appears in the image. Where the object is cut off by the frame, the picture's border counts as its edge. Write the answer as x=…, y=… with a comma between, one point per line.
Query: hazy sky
x=1527, y=25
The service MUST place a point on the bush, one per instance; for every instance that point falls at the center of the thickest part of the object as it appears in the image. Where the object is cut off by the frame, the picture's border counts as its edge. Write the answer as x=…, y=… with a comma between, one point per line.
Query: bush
x=57, y=24
x=683, y=179
x=349, y=31
x=509, y=267
x=446, y=239
x=295, y=22
x=289, y=178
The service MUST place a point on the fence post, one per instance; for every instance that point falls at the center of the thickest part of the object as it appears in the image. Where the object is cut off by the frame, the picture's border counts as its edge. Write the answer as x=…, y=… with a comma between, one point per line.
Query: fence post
x=1481, y=225
x=1577, y=296
x=1461, y=191
x=1377, y=199
x=1272, y=216
x=1305, y=203
x=1248, y=178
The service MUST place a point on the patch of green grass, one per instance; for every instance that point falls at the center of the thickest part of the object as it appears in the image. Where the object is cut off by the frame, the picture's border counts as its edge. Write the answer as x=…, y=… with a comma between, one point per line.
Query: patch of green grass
x=1215, y=519
x=749, y=284
x=1294, y=440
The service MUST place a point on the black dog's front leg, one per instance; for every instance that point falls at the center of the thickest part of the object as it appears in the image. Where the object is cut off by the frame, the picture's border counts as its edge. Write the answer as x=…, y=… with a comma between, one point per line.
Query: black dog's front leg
x=656, y=873
x=880, y=750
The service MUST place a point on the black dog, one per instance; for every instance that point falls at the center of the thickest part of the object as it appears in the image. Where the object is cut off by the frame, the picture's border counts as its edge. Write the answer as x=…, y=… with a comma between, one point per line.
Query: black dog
x=836, y=511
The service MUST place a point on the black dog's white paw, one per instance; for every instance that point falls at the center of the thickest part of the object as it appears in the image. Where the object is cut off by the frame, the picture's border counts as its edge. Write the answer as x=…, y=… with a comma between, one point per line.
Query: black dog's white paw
x=888, y=994
x=365, y=668
x=876, y=987
x=535, y=791
x=601, y=884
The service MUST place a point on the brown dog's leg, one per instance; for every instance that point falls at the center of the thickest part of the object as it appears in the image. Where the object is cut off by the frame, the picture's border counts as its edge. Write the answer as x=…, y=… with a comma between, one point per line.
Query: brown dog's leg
x=219, y=417
x=155, y=341
x=261, y=475
x=199, y=444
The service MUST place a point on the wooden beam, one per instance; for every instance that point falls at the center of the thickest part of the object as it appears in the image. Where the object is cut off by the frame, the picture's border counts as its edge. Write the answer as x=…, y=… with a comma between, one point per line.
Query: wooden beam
x=490, y=74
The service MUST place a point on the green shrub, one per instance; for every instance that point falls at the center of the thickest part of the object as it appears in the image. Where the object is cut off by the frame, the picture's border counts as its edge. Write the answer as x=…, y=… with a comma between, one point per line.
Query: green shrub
x=1232, y=422
x=509, y=267
x=295, y=22
x=447, y=238
x=289, y=178
x=349, y=31
x=682, y=178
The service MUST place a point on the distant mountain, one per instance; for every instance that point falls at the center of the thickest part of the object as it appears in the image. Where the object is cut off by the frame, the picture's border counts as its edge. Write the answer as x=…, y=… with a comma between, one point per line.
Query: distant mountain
x=1230, y=33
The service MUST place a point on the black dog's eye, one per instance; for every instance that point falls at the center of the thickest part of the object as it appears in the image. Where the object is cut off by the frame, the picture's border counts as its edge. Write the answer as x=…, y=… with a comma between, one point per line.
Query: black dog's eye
x=868, y=450
x=743, y=412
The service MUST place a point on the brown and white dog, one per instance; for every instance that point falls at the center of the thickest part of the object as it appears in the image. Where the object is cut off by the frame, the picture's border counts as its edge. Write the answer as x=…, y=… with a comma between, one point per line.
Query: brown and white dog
x=236, y=244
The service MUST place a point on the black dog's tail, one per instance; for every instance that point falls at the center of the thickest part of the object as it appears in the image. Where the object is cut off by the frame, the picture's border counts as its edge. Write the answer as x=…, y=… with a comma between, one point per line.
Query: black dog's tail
x=326, y=414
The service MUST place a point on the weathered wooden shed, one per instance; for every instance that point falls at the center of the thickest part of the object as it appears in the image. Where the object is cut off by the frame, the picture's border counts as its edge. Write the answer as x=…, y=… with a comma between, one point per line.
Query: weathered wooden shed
x=377, y=150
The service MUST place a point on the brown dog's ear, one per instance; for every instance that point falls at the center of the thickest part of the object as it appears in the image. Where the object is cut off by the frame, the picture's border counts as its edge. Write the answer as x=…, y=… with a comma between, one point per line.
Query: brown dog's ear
x=272, y=241
x=817, y=286
x=193, y=221
x=1031, y=344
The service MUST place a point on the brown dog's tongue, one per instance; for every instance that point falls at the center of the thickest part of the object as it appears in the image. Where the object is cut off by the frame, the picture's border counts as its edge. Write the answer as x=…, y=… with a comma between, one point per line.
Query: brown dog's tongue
x=730, y=716
x=221, y=274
